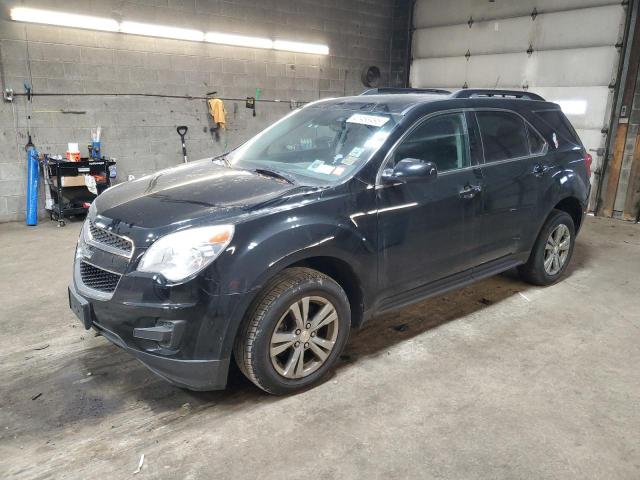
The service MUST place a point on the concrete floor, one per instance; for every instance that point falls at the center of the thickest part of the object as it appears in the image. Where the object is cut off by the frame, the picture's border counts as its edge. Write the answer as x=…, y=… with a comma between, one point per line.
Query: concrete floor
x=498, y=380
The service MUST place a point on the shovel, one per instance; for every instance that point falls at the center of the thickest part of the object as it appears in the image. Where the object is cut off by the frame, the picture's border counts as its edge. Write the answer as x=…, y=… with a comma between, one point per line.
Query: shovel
x=182, y=131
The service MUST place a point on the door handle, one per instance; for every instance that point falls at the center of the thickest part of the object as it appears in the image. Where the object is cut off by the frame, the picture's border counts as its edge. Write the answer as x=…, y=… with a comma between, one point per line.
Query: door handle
x=470, y=191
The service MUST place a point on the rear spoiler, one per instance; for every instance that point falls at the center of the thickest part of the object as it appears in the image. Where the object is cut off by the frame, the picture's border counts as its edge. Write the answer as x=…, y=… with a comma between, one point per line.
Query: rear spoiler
x=487, y=92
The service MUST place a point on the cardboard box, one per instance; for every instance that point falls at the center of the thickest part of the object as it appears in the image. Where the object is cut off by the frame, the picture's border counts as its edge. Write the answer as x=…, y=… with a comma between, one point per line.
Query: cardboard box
x=78, y=181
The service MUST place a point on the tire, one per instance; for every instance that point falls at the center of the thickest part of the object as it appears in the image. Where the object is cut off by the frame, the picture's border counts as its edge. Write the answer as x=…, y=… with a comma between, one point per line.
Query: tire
x=275, y=333
x=535, y=271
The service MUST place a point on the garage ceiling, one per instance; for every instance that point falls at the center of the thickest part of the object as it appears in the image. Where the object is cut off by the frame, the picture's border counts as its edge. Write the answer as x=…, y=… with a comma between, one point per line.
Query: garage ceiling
x=563, y=50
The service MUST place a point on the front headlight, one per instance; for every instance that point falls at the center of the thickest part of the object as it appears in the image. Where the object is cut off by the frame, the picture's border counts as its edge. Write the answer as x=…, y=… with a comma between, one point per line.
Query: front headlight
x=183, y=254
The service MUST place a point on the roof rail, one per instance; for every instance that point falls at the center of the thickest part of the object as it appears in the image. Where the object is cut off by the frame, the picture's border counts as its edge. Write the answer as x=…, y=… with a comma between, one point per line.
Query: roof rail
x=488, y=92
x=394, y=90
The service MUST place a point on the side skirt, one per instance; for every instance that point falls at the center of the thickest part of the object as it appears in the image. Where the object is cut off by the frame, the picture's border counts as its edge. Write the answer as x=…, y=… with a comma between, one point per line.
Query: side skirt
x=447, y=284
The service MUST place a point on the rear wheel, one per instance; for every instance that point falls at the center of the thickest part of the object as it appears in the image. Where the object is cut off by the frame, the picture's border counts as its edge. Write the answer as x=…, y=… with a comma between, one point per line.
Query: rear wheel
x=552, y=251
x=295, y=332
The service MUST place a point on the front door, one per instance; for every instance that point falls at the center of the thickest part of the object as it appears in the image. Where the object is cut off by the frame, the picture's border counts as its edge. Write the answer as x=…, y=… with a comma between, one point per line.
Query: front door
x=424, y=227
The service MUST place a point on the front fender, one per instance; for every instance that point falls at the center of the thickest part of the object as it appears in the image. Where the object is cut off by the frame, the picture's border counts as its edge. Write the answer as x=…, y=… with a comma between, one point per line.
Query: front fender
x=265, y=245
x=291, y=240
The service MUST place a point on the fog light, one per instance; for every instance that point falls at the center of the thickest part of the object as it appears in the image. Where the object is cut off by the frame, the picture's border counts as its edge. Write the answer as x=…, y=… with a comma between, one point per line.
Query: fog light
x=167, y=333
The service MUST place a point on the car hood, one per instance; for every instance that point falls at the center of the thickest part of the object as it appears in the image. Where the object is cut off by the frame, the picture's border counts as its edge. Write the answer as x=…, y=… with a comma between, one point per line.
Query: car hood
x=187, y=193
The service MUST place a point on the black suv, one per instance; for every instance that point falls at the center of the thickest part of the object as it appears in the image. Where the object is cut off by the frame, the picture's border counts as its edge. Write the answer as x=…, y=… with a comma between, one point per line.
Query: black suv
x=342, y=210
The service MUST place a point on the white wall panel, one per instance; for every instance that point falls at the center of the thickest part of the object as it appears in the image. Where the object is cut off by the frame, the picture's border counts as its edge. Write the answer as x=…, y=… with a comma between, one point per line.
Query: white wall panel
x=587, y=27
x=594, y=100
x=500, y=36
x=572, y=67
x=592, y=139
x=594, y=66
x=431, y=13
x=586, y=107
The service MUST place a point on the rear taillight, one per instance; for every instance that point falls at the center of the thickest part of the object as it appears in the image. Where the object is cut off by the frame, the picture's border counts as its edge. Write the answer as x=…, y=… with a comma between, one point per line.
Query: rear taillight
x=588, y=160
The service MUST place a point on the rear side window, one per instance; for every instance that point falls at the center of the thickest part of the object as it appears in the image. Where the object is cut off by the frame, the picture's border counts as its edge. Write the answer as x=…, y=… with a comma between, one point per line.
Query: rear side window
x=560, y=125
x=504, y=135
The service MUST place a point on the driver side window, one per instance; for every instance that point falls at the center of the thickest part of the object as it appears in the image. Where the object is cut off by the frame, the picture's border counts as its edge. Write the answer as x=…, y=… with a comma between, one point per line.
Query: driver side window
x=442, y=140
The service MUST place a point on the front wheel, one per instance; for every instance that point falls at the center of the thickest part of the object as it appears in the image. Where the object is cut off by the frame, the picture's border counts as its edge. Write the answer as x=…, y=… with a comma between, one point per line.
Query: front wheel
x=552, y=251
x=295, y=332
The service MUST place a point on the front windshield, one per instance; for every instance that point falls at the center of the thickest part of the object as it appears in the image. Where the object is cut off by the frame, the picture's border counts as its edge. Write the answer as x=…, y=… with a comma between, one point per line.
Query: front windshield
x=315, y=145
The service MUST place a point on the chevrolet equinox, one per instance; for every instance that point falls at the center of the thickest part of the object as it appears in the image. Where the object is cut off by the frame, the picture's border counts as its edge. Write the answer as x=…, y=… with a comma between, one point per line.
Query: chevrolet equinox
x=342, y=210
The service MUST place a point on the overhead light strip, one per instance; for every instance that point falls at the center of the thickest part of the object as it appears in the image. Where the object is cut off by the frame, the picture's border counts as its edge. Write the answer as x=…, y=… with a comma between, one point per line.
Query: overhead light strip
x=238, y=40
x=33, y=15
x=49, y=17
x=161, y=31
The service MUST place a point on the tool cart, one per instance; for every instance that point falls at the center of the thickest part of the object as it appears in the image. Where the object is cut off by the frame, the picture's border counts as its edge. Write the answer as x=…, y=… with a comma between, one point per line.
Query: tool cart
x=70, y=192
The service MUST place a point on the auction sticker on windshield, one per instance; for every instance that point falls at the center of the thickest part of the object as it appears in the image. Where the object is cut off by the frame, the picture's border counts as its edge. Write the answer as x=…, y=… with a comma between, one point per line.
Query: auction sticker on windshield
x=371, y=120
x=320, y=167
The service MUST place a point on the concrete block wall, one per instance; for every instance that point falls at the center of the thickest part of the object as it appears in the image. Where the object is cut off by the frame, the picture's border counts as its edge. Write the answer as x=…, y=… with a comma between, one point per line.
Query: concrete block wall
x=140, y=130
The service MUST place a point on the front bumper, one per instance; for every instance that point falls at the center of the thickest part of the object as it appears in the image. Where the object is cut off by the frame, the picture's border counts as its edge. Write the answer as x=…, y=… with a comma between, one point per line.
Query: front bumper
x=191, y=374
x=198, y=359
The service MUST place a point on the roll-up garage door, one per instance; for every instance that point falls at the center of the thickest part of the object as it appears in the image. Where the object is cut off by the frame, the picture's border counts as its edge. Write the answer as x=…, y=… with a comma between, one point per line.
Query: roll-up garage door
x=564, y=50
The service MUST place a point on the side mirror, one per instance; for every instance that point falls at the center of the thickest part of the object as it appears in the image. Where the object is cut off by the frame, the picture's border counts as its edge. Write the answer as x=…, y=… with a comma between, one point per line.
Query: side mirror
x=409, y=170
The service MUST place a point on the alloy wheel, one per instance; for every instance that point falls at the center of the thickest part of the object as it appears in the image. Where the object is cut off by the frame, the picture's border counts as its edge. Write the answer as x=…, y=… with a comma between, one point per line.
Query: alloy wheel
x=556, y=250
x=304, y=337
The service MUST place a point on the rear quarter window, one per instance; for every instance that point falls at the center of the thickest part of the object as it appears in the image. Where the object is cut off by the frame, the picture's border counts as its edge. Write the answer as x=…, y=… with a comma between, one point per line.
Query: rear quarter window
x=556, y=121
x=537, y=145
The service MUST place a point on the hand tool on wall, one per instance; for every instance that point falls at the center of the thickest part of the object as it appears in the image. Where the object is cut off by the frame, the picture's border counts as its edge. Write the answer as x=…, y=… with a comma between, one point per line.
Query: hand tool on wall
x=182, y=131
x=251, y=103
x=28, y=106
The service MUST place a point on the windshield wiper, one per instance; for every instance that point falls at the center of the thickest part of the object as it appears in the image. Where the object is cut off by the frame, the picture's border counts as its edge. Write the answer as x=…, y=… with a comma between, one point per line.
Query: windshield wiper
x=275, y=174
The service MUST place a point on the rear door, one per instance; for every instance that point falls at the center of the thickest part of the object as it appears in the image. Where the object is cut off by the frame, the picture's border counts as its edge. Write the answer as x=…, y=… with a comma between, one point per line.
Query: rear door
x=512, y=173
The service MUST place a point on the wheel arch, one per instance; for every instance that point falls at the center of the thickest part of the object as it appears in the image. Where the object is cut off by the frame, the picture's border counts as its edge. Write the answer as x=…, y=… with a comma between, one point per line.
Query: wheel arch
x=568, y=204
x=342, y=273
x=573, y=207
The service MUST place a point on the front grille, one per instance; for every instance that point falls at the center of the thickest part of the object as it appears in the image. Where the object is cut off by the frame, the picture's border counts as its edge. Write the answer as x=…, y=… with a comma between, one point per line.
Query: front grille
x=97, y=278
x=105, y=237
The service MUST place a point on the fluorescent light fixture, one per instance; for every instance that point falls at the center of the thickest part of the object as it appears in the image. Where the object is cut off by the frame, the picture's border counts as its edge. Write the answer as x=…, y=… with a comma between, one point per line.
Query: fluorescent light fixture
x=238, y=40
x=161, y=31
x=572, y=107
x=48, y=17
x=301, y=47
